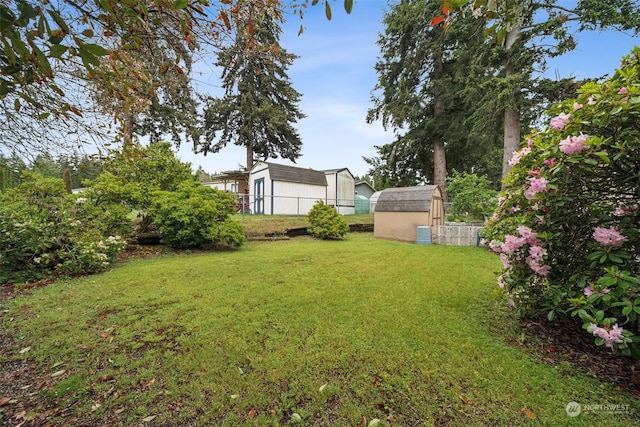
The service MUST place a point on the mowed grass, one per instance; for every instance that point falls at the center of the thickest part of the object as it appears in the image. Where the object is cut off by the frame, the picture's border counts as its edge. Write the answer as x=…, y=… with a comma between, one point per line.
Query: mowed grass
x=258, y=225
x=300, y=332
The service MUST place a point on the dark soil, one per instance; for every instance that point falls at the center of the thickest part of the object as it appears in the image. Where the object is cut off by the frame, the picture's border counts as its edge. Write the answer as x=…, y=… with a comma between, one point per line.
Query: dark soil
x=23, y=403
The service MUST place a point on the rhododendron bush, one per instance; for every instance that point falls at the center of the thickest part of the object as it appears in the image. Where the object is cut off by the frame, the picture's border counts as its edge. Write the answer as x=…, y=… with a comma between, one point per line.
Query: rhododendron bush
x=567, y=227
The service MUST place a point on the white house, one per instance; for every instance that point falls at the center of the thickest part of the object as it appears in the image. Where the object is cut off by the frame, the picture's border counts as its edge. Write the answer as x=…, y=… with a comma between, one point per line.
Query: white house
x=285, y=190
x=341, y=190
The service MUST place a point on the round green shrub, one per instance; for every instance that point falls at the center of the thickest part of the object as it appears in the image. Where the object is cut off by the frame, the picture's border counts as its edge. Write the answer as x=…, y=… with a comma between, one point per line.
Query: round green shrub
x=195, y=216
x=325, y=222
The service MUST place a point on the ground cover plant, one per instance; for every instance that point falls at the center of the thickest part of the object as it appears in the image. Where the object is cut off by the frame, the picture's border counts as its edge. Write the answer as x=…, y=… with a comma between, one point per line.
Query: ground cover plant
x=568, y=226
x=296, y=332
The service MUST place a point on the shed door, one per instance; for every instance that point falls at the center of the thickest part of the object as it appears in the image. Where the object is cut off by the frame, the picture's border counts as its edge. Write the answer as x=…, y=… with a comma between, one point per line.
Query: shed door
x=258, y=201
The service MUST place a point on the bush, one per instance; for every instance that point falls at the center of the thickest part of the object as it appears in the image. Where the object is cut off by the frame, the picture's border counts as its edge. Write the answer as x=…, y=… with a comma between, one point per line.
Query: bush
x=195, y=216
x=325, y=222
x=568, y=225
x=44, y=231
x=472, y=198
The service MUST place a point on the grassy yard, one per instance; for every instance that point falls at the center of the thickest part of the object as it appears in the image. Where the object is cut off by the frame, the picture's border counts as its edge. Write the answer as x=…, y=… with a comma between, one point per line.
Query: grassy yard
x=258, y=225
x=297, y=332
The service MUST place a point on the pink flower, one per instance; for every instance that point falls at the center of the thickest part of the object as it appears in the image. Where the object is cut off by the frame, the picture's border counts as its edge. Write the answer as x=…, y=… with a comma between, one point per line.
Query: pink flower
x=528, y=235
x=505, y=261
x=609, y=237
x=511, y=244
x=536, y=185
x=573, y=144
x=590, y=101
x=614, y=335
x=537, y=252
x=560, y=121
x=537, y=267
x=588, y=291
x=495, y=246
x=501, y=282
x=623, y=91
x=550, y=162
x=576, y=106
x=534, y=172
x=515, y=158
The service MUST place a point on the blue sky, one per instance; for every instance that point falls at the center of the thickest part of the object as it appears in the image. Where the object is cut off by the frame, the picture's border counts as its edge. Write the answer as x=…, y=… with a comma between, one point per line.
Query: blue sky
x=335, y=75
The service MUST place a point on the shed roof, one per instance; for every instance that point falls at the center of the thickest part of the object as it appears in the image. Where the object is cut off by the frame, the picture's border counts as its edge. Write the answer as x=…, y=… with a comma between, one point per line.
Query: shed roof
x=407, y=199
x=294, y=174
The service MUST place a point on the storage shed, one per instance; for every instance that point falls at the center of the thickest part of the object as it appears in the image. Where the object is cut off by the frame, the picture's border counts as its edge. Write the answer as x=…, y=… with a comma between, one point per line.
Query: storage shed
x=285, y=190
x=341, y=190
x=400, y=211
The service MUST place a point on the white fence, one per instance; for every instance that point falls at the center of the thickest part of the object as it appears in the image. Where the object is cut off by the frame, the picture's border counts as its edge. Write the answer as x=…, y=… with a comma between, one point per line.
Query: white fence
x=286, y=205
x=457, y=234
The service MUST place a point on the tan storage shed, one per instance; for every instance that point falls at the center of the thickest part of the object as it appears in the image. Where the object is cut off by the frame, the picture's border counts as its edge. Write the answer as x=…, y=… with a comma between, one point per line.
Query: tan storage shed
x=400, y=211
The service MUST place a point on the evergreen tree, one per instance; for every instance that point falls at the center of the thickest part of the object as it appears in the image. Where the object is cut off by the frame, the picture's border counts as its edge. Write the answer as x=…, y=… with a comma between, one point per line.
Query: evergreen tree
x=428, y=86
x=259, y=106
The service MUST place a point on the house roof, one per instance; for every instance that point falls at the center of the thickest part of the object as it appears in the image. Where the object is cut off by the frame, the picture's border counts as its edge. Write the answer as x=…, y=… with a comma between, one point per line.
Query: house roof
x=407, y=199
x=294, y=174
x=338, y=170
x=365, y=183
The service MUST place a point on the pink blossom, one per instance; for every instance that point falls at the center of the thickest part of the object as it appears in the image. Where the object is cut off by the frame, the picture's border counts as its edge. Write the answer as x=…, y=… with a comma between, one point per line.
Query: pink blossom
x=623, y=91
x=536, y=185
x=560, y=121
x=512, y=243
x=590, y=101
x=537, y=266
x=495, y=246
x=609, y=237
x=505, y=261
x=573, y=144
x=577, y=106
x=550, y=162
x=537, y=252
x=528, y=235
x=534, y=172
x=614, y=335
x=588, y=291
x=501, y=282
x=515, y=158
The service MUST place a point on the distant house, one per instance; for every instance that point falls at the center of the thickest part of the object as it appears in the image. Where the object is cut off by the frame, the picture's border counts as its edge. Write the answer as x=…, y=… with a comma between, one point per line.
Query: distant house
x=285, y=190
x=231, y=181
x=400, y=211
x=365, y=189
x=341, y=190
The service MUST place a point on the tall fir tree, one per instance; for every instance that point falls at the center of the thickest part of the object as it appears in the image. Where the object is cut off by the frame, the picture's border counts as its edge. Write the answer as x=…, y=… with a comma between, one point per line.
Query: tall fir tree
x=259, y=106
x=428, y=82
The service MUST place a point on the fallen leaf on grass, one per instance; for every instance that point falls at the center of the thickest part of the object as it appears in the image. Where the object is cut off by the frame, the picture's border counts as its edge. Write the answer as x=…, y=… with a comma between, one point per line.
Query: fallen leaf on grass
x=149, y=418
x=24, y=350
x=4, y=400
x=374, y=422
x=464, y=399
x=322, y=387
x=295, y=417
x=252, y=413
x=529, y=413
x=95, y=407
x=118, y=411
x=58, y=373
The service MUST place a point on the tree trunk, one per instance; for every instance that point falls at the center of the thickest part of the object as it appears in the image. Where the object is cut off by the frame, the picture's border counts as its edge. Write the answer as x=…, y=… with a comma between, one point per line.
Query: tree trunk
x=439, y=155
x=128, y=125
x=511, y=114
x=249, y=155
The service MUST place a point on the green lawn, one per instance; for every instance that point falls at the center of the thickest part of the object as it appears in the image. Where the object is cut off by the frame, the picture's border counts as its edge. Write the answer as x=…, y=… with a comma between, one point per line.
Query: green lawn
x=299, y=332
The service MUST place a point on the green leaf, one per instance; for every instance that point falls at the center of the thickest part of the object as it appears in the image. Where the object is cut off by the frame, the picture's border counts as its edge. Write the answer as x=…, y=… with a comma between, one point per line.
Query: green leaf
x=327, y=10
x=181, y=4
x=58, y=20
x=94, y=49
x=348, y=6
x=57, y=50
x=88, y=32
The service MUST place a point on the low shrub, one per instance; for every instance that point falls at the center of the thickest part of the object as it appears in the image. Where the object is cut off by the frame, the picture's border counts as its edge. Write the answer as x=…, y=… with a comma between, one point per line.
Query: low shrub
x=325, y=222
x=44, y=231
x=195, y=216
